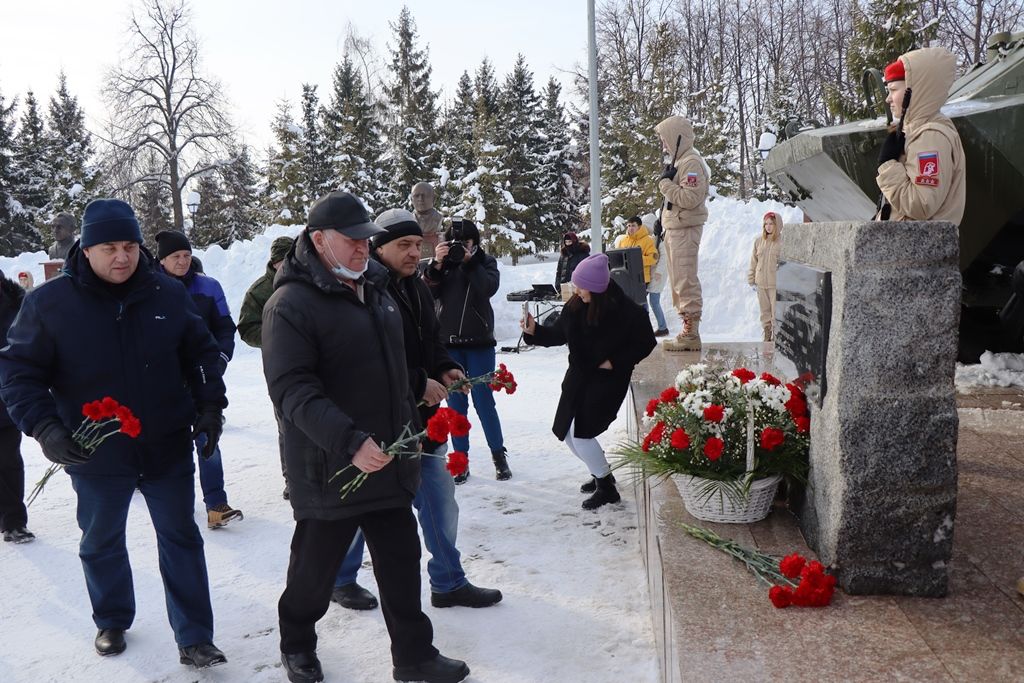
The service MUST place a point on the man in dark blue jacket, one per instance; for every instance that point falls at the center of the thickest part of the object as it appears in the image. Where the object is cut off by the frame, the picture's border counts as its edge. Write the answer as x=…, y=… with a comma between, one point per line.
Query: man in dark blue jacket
x=110, y=325
x=175, y=254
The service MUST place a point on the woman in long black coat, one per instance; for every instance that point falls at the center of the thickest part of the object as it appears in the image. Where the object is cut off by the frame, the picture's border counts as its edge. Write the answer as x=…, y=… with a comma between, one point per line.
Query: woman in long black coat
x=607, y=335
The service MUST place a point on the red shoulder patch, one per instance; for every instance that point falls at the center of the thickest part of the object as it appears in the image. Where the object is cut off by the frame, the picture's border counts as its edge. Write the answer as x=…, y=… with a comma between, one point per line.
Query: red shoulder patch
x=691, y=180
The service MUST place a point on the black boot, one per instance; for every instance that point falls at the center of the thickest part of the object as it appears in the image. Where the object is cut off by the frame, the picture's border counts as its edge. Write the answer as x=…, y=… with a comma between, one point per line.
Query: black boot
x=605, y=493
x=110, y=641
x=354, y=596
x=201, y=656
x=440, y=669
x=303, y=667
x=591, y=485
x=467, y=596
x=501, y=470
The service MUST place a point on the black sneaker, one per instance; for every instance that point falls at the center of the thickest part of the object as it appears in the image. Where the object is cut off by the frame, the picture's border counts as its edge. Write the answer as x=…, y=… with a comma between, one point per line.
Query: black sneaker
x=461, y=478
x=501, y=470
x=440, y=669
x=201, y=656
x=354, y=596
x=467, y=596
x=303, y=667
x=663, y=332
x=110, y=641
x=19, y=535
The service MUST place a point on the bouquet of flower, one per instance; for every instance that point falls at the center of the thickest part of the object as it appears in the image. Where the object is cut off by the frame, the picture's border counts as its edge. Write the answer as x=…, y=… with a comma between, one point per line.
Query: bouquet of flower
x=103, y=419
x=727, y=426
x=444, y=422
x=792, y=579
x=497, y=380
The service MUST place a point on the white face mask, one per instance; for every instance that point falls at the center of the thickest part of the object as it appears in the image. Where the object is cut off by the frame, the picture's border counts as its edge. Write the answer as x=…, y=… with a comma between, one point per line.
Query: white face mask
x=343, y=272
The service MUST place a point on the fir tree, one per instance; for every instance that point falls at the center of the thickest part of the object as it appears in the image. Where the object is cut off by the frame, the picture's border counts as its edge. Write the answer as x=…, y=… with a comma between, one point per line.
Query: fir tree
x=75, y=175
x=152, y=202
x=287, y=199
x=882, y=31
x=31, y=173
x=206, y=226
x=316, y=169
x=240, y=217
x=519, y=136
x=353, y=135
x=486, y=88
x=715, y=133
x=457, y=155
x=17, y=235
x=558, y=202
x=412, y=111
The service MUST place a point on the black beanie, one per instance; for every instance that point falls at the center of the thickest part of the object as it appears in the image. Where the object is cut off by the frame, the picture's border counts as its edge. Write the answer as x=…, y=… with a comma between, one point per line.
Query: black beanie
x=109, y=220
x=398, y=223
x=170, y=241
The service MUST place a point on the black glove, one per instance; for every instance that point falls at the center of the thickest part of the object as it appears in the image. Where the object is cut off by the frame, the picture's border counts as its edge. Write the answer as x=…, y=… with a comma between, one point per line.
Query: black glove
x=657, y=227
x=207, y=432
x=892, y=147
x=57, y=444
x=669, y=173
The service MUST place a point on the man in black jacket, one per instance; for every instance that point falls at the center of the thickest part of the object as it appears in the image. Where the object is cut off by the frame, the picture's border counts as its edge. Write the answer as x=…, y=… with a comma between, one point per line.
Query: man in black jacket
x=112, y=326
x=431, y=370
x=463, y=279
x=13, y=515
x=333, y=356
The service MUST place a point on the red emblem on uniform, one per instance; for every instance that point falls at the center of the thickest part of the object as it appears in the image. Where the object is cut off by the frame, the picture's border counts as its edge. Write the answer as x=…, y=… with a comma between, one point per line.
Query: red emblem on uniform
x=928, y=169
x=691, y=180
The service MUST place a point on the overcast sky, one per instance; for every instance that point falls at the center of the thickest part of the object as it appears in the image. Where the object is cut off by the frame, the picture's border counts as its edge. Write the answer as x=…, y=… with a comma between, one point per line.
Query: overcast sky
x=263, y=50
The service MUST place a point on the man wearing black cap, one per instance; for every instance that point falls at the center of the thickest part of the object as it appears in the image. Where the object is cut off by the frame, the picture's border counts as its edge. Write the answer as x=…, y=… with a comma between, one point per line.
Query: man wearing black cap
x=111, y=325
x=431, y=369
x=175, y=254
x=333, y=356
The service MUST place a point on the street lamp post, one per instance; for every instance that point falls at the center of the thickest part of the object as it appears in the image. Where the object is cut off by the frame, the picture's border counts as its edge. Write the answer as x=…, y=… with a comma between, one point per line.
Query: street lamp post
x=764, y=148
x=192, y=202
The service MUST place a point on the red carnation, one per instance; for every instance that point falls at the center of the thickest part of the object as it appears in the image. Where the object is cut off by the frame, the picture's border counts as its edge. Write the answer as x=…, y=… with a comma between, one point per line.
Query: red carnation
x=652, y=405
x=131, y=426
x=743, y=375
x=770, y=379
x=791, y=565
x=803, y=424
x=93, y=410
x=669, y=395
x=457, y=462
x=797, y=404
x=108, y=406
x=680, y=439
x=511, y=388
x=714, y=413
x=713, y=448
x=780, y=596
x=458, y=424
x=437, y=426
x=771, y=437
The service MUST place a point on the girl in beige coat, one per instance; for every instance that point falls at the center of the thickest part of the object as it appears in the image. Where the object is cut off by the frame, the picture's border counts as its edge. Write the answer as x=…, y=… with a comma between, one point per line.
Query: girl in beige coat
x=763, y=264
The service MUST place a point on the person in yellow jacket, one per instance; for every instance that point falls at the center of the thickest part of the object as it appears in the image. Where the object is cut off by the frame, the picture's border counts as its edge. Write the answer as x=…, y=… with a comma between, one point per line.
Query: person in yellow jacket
x=637, y=237
x=763, y=264
x=685, y=186
x=921, y=167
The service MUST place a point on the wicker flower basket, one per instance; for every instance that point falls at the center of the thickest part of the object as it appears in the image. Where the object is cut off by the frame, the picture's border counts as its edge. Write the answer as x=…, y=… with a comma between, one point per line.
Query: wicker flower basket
x=723, y=504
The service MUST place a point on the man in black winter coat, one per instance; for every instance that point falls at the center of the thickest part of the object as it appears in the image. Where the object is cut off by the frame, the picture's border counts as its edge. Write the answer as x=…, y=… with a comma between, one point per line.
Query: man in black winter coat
x=334, y=360
x=463, y=278
x=431, y=370
x=13, y=515
x=110, y=325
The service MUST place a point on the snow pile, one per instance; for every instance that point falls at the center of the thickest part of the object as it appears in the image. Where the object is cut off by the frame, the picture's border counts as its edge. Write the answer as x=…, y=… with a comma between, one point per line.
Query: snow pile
x=994, y=370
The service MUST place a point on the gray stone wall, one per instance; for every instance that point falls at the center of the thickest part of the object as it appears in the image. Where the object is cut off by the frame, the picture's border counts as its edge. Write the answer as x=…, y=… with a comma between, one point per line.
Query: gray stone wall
x=882, y=500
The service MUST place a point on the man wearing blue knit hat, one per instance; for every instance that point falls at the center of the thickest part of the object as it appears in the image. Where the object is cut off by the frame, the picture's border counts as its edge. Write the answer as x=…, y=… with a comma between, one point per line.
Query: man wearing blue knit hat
x=111, y=326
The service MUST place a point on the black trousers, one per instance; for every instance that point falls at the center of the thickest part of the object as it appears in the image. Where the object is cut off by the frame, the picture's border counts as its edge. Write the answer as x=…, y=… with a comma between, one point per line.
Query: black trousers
x=13, y=514
x=318, y=547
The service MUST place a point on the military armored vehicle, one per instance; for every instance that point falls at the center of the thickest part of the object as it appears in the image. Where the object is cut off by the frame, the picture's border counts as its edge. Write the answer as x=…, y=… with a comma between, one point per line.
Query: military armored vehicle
x=830, y=174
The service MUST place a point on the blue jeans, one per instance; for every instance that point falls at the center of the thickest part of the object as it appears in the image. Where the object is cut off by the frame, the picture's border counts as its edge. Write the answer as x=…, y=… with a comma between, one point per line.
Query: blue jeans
x=439, y=519
x=103, y=504
x=659, y=315
x=211, y=476
x=477, y=362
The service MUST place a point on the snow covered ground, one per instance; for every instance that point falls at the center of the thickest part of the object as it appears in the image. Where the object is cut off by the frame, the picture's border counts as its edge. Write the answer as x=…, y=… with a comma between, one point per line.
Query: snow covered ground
x=576, y=605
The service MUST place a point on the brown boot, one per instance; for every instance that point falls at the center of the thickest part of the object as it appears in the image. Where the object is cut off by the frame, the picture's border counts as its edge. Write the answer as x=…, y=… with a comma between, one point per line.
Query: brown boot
x=688, y=339
x=221, y=515
x=769, y=335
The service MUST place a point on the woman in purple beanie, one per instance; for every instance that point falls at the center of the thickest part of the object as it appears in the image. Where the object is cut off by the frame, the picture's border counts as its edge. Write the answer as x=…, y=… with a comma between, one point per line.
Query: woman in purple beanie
x=607, y=335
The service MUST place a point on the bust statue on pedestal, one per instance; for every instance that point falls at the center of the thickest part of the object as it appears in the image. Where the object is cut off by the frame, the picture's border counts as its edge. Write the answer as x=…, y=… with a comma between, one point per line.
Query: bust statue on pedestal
x=427, y=216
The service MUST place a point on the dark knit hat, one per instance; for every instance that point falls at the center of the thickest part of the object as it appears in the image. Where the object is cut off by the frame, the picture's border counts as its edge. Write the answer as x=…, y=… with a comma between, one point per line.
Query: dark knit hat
x=170, y=241
x=462, y=229
x=895, y=72
x=342, y=211
x=398, y=223
x=109, y=220
x=280, y=247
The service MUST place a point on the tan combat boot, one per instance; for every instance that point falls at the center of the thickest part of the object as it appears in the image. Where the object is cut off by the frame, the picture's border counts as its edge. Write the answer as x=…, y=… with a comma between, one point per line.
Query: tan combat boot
x=769, y=335
x=688, y=339
x=220, y=515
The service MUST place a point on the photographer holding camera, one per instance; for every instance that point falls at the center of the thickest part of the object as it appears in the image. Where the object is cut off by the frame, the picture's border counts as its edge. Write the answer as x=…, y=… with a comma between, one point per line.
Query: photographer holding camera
x=463, y=279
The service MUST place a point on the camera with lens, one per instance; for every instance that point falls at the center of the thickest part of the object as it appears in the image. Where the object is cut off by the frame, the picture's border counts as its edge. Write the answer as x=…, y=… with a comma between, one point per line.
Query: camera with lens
x=456, y=252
